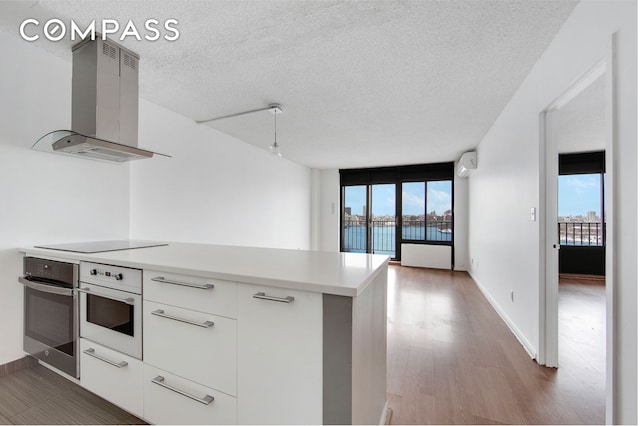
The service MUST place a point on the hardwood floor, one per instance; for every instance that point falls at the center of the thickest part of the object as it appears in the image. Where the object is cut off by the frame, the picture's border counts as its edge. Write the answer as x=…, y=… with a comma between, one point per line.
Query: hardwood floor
x=36, y=395
x=452, y=360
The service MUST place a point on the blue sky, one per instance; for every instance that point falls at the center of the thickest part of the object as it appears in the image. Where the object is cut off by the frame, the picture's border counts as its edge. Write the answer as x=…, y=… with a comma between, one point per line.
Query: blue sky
x=578, y=194
x=383, y=198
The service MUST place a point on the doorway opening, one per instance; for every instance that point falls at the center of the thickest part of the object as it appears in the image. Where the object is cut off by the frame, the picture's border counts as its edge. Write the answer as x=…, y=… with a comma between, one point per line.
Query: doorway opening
x=581, y=282
x=577, y=262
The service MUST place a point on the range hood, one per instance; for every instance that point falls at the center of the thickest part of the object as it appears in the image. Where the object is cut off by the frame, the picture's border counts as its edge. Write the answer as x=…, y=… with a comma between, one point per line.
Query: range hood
x=104, y=106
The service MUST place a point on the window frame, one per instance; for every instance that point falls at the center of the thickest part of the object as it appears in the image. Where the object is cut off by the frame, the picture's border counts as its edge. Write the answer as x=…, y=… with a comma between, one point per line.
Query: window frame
x=398, y=175
x=427, y=241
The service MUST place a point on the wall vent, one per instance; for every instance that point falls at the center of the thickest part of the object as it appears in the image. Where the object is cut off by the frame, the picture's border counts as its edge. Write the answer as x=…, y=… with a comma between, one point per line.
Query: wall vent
x=109, y=50
x=129, y=61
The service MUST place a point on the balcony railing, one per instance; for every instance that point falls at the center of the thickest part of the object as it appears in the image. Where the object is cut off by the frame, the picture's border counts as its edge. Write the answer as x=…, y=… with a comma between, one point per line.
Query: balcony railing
x=436, y=230
x=384, y=233
x=580, y=233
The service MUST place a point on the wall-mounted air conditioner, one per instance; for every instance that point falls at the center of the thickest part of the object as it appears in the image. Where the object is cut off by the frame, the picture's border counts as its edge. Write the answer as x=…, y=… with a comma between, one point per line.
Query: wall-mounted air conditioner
x=467, y=163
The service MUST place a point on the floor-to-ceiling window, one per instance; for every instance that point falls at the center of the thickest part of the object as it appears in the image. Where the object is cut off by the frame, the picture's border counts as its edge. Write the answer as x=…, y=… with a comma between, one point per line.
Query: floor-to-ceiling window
x=581, y=215
x=382, y=208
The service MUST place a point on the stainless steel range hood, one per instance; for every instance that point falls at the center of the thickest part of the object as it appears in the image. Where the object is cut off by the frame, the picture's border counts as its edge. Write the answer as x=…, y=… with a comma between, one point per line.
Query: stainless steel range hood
x=104, y=106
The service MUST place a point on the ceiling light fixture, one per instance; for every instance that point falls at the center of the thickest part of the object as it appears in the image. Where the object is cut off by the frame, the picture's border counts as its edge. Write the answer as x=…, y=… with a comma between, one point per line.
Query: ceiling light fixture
x=275, y=148
x=275, y=109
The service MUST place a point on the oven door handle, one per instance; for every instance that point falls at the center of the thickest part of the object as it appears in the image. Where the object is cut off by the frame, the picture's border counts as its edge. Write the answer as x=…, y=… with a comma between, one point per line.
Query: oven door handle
x=45, y=287
x=128, y=300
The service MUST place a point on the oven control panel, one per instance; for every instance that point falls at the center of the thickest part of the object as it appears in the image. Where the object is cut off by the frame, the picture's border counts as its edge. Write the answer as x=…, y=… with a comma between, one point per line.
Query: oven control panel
x=107, y=274
x=61, y=272
x=110, y=276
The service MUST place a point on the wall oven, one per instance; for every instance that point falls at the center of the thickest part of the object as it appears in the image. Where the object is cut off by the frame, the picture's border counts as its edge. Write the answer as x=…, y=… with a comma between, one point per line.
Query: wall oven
x=111, y=307
x=51, y=313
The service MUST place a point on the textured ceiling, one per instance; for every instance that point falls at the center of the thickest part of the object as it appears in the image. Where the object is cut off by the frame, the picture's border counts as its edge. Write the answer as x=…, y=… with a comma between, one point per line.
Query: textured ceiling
x=362, y=83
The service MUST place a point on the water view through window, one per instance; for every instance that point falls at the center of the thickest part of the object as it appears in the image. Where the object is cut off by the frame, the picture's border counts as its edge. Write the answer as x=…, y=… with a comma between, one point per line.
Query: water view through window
x=426, y=215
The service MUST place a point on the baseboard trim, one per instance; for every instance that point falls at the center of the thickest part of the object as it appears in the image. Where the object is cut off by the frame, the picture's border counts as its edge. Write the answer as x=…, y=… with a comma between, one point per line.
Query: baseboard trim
x=17, y=365
x=528, y=347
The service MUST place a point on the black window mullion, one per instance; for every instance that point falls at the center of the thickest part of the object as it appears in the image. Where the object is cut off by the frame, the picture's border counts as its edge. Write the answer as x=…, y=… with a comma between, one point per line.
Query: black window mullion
x=426, y=213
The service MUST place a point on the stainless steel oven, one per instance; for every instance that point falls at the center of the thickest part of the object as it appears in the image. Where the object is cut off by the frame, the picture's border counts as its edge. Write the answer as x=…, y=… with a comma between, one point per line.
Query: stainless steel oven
x=111, y=307
x=51, y=313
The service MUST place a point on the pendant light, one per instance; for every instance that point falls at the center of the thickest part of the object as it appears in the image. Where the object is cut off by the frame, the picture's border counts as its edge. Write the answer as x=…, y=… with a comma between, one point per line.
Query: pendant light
x=275, y=109
x=275, y=148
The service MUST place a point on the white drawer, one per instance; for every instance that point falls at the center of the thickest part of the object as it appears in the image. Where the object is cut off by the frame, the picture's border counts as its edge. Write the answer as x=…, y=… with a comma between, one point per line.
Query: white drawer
x=186, y=343
x=111, y=375
x=169, y=399
x=216, y=297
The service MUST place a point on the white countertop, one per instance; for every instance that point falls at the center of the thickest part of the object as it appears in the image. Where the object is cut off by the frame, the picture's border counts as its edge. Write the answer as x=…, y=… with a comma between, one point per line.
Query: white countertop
x=343, y=274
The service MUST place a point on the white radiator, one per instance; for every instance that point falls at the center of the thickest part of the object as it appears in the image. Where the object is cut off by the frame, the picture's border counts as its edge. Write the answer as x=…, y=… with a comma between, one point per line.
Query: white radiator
x=426, y=256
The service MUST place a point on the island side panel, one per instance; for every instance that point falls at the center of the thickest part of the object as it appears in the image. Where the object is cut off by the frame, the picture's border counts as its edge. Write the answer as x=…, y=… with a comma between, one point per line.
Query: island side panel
x=369, y=353
x=336, y=359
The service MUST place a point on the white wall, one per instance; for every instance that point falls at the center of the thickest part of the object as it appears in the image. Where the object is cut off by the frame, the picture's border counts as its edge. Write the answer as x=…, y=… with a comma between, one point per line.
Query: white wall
x=461, y=219
x=215, y=189
x=45, y=198
x=327, y=218
x=503, y=241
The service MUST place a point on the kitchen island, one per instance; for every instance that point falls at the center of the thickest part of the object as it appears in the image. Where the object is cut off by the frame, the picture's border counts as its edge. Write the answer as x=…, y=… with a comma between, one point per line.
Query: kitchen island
x=299, y=336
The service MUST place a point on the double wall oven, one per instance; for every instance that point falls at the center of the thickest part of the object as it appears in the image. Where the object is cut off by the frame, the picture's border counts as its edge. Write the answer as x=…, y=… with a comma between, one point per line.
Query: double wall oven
x=65, y=301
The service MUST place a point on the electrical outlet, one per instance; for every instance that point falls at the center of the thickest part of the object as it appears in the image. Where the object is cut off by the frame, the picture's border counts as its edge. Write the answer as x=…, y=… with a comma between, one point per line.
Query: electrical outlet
x=333, y=208
x=512, y=295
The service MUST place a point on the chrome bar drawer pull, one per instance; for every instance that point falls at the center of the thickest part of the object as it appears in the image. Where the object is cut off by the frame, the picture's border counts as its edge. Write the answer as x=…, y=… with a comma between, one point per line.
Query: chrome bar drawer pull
x=206, y=400
x=182, y=283
x=160, y=313
x=92, y=352
x=261, y=295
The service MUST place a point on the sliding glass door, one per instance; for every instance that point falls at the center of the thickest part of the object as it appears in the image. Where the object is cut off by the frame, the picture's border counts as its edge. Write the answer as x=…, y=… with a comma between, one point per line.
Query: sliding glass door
x=369, y=219
x=382, y=225
x=355, y=217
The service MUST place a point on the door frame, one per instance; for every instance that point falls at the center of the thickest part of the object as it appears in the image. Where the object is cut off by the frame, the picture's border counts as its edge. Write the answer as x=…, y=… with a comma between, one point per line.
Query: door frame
x=548, y=258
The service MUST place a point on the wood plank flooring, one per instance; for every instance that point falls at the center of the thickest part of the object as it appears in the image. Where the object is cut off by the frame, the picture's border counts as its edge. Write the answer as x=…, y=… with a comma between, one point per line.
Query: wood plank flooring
x=37, y=395
x=452, y=360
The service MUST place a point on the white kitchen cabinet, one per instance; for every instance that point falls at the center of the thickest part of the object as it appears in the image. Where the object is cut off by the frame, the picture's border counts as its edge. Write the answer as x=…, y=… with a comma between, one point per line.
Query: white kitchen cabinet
x=170, y=399
x=191, y=344
x=112, y=375
x=279, y=356
x=200, y=294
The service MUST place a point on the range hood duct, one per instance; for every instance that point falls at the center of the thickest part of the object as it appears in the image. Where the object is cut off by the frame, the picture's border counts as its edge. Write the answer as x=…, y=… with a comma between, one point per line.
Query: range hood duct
x=104, y=105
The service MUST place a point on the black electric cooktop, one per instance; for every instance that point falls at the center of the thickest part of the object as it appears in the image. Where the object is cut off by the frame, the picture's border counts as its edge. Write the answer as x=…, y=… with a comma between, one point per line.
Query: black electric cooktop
x=102, y=246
